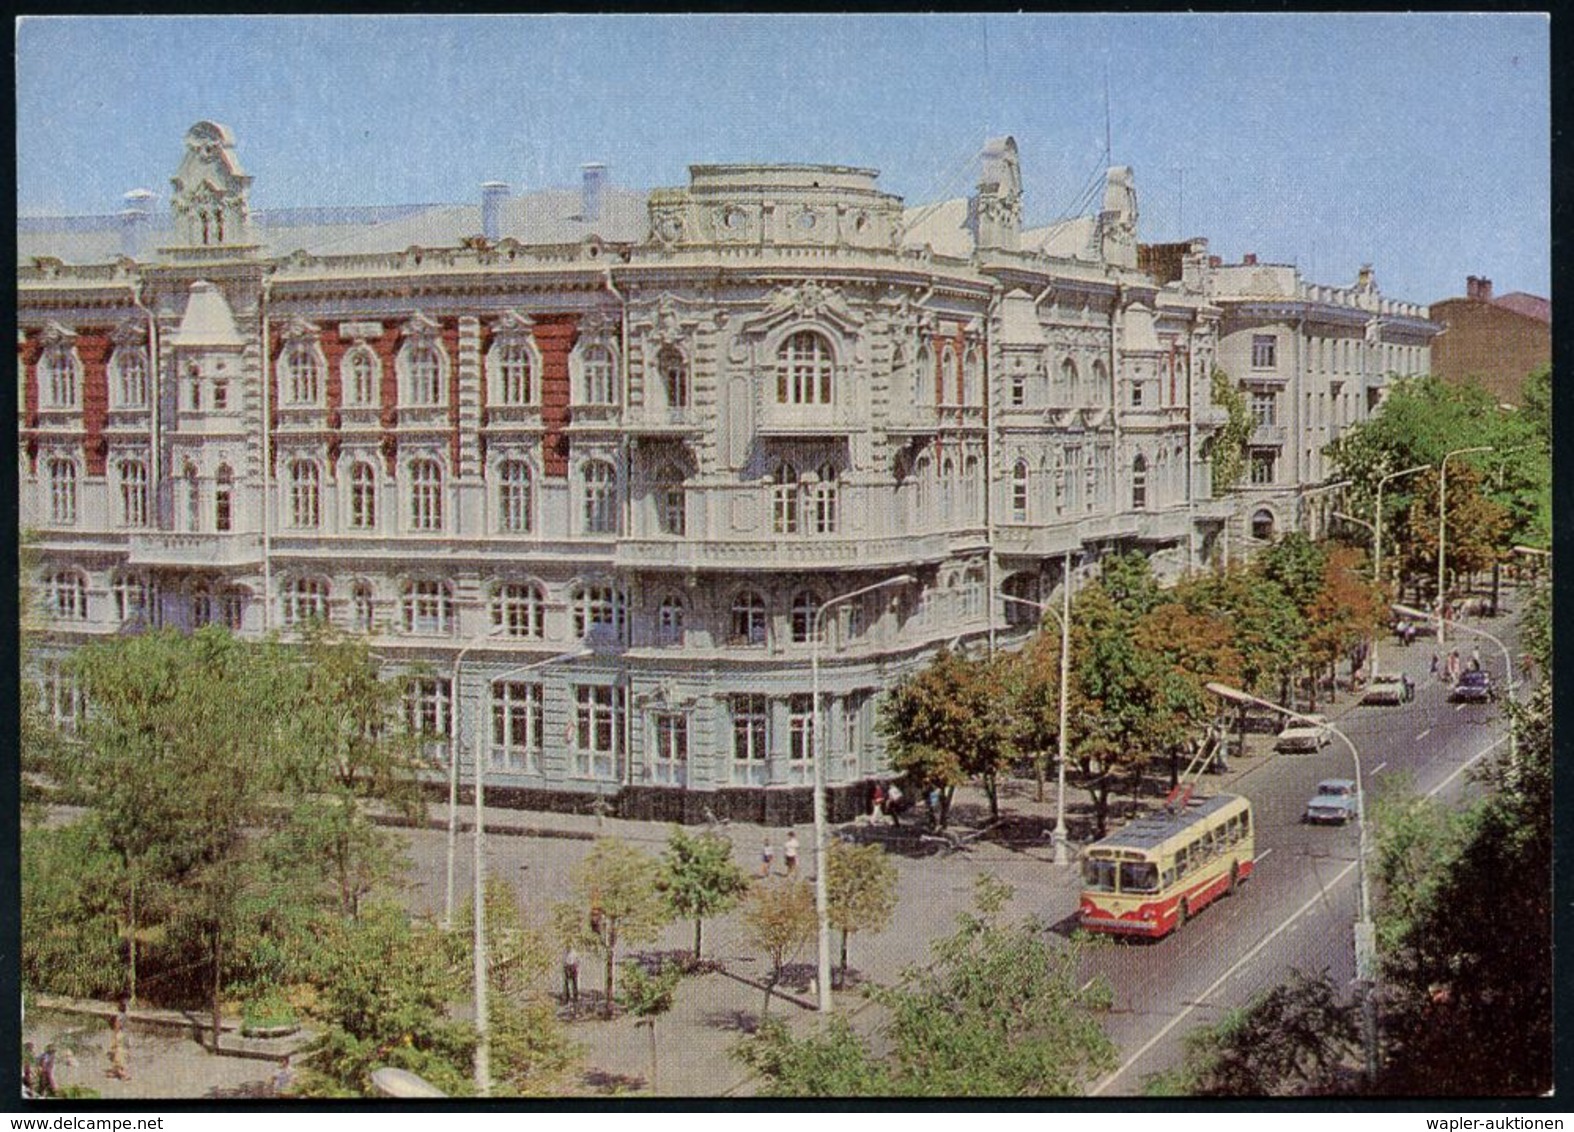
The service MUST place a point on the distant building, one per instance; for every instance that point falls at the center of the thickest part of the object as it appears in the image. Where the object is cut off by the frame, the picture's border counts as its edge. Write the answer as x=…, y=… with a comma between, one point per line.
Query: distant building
x=1497, y=340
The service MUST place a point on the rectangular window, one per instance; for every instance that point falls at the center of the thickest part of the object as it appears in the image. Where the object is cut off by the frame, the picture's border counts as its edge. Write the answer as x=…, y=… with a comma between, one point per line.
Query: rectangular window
x=852, y=736
x=1265, y=408
x=1262, y=465
x=1073, y=478
x=673, y=513
x=516, y=726
x=427, y=713
x=598, y=731
x=750, y=734
x=1265, y=351
x=669, y=764
x=800, y=738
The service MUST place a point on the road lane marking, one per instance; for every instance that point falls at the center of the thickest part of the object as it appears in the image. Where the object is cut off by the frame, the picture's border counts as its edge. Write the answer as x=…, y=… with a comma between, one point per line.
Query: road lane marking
x=1423, y=734
x=1257, y=860
x=1376, y=769
x=1267, y=939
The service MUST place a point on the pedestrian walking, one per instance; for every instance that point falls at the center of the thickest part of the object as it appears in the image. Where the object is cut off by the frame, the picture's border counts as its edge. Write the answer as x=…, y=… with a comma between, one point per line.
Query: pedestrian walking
x=1475, y=659
x=790, y=852
x=118, y=1069
x=44, y=1082
x=876, y=802
x=1453, y=666
x=29, y=1070
x=571, y=976
x=767, y=855
x=932, y=800
x=1436, y=666
x=893, y=804
x=1408, y=685
x=284, y=1077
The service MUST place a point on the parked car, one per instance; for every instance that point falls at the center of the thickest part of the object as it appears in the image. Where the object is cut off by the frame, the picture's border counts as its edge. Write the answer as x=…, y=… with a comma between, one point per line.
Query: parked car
x=1474, y=687
x=1334, y=802
x=1385, y=690
x=1301, y=735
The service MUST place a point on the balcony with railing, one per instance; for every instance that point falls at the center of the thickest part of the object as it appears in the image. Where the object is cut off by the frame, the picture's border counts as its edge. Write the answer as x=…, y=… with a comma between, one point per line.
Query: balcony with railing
x=659, y=420
x=788, y=552
x=187, y=549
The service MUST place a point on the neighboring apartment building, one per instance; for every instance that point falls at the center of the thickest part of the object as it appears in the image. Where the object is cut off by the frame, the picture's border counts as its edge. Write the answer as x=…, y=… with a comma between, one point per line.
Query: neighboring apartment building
x=659, y=432
x=1498, y=341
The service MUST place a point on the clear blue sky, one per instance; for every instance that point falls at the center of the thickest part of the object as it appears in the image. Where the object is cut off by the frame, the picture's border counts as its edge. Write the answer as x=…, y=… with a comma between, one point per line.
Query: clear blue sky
x=1419, y=143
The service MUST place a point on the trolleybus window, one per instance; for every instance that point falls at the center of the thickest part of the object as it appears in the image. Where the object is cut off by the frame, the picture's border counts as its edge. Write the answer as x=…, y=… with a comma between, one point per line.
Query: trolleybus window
x=1099, y=875
x=1139, y=876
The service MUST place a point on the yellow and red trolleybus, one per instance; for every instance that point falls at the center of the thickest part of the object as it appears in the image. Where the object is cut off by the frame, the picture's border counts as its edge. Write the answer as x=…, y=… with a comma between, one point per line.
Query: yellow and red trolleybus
x=1149, y=877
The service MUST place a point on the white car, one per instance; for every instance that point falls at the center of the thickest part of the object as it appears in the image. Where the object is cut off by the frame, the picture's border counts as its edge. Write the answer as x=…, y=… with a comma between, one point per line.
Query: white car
x=1385, y=690
x=1301, y=735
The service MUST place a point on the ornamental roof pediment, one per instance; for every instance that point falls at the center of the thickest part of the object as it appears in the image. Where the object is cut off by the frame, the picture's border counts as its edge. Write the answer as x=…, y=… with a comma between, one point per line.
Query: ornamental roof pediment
x=513, y=323
x=299, y=329
x=811, y=302
x=57, y=334
x=421, y=325
x=129, y=332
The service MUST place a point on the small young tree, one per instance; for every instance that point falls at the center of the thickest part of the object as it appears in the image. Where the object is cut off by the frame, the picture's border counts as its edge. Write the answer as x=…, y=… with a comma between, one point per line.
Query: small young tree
x=647, y=997
x=616, y=901
x=699, y=878
x=861, y=886
x=780, y=919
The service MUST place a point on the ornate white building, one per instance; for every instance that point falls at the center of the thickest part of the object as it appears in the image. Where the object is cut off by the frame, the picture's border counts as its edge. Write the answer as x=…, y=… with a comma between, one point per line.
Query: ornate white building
x=657, y=432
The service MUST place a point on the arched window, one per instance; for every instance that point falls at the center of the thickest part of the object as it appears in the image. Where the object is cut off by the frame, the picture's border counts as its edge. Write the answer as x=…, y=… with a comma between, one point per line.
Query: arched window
x=193, y=497
x=921, y=473
x=363, y=496
x=598, y=384
x=131, y=378
x=201, y=605
x=600, y=612
x=1139, y=483
x=1059, y=487
x=924, y=377
x=804, y=369
x=1262, y=525
x=131, y=597
x=947, y=490
x=1019, y=492
x=1070, y=380
x=805, y=605
x=970, y=496
x=518, y=609
x=514, y=512
x=973, y=377
x=600, y=487
x=305, y=599
x=363, y=607
x=784, y=500
x=1161, y=476
x=65, y=593
x=426, y=495
x=223, y=498
x=62, y=492
x=950, y=377
x=428, y=607
x=360, y=373
x=748, y=618
x=674, y=373
x=232, y=604
x=824, y=501
x=57, y=373
x=511, y=384
x=305, y=495
x=304, y=380
x=133, y=493
x=669, y=620
x=423, y=367
x=1100, y=390
x=1018, y=382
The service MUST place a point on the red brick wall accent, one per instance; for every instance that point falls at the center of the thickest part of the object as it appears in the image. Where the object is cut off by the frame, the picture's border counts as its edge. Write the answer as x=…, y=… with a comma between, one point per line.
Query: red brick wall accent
x=94, y=348
x=1483, y=340
x=27, y=354
x=555, y=336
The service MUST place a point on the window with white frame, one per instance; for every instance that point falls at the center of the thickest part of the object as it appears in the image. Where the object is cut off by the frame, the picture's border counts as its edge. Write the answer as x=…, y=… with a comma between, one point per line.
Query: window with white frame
x=305, y=599
x=1019, y=480
x=426, y=495
x=748, y=618
x=303, y=375
x=131, y=378
x=360, y=374
x=428, y=607
x=518, y=609
x=1265, y=407
x=65, y=595
x=804, y=370
x=1059, y=486
x=221, y=393
x=805, y=605
x=973, y=377
x=947, y=490
x=363, y=496
x=1018, y=385
x=598, y=731
x=970, y=493
x=1100, y=391
x=517, y=726
x=674, y=372
x=1265, y=351
x=751, y=716
x=669, y=620
x=800, y=737
x=133, y=492
x=924, y=377
x=1263, y=462
x=597, y=376
x=223, y=498
x=423, y=375
x=232, y=604
x=784, y=500
x=515, y=514
x=600, y=612
x=921, y=472
x=63, y=700
x=193, y=498
x=1138, y=392
x=201, y=605
x=194, y=387
x=305, y=495
x=57, y=372
x=669, y=761
x=62, y=491
x=599, y=498
x=853, y=734
x=824, y=496
x=1070, y=381
x=671, y=502
x=133, y=598
x=427, y=707
x=1073, y=478
x=1094, y=483
x=950, y=377
x=1139, y=483
x=511, y=370
x=363, y=608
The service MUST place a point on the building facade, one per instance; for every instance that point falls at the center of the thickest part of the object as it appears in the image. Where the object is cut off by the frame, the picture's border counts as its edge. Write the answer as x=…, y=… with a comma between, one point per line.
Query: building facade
x=597, y=465
x=1497, y=341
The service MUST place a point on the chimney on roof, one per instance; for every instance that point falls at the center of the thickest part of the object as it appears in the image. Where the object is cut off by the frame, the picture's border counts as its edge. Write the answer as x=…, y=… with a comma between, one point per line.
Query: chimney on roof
x=135, y=220
x=493, y=194
x=1485, y=286
x=1215, y=261
x=1249, y=259
x=595, y=178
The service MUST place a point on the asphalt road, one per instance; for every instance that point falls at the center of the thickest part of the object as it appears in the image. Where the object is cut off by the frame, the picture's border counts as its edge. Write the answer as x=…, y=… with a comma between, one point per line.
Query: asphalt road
x=1297, y=911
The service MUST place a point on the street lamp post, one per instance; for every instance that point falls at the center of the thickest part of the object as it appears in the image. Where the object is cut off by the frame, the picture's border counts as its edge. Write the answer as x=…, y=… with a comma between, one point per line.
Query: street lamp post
x=1442, y=524
x=1320, y=490
x=822, y=902
x=1508, y=669
x=483, y=1048
x=1377, y=530
x=1365, y=935
x=453, y=773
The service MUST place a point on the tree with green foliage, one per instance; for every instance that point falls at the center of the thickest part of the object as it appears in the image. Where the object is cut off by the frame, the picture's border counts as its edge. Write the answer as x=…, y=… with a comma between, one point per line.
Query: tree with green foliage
x=1293, y=1039
x=617, y=901
x=1295, y=564
x=1348, y=607
x=647, y=995
x=1477, y=528
x=73, y=918
x=830, y=1061
x=860, y=885
x=779, y=918
x=699, y=878
x=1227, y=446
x=1269, y=631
